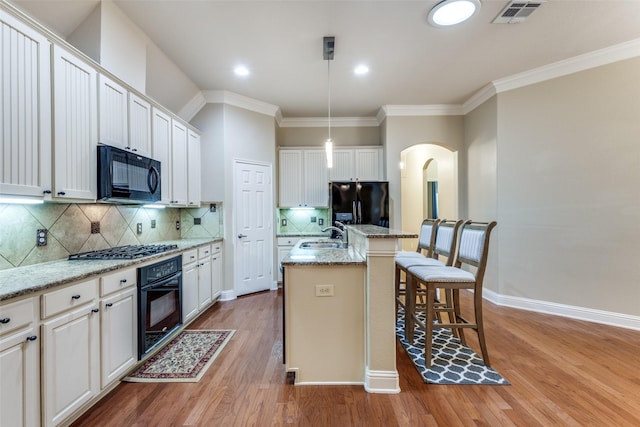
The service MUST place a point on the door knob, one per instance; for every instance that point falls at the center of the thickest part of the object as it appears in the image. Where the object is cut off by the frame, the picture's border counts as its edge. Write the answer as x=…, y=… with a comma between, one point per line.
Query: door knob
x=240, y=236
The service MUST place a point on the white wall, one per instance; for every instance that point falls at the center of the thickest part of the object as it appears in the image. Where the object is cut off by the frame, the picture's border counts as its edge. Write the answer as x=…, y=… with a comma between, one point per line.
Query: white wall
x=399, y=133
x=568, y=157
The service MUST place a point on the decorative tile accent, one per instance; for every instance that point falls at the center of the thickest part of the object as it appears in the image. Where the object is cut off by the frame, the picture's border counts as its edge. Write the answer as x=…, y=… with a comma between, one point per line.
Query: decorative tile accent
x=299, y=220
x=69, y=228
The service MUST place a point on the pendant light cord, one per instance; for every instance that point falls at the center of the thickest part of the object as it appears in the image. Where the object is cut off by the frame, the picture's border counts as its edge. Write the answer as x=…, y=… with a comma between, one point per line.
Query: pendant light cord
x=329, y=93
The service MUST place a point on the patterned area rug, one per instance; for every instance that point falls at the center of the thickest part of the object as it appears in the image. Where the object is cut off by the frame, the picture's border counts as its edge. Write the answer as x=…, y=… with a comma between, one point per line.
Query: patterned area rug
x=451, y=363
x=184, y=359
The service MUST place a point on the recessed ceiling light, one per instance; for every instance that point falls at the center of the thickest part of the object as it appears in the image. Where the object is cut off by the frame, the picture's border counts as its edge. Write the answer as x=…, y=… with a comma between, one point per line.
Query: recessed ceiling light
x=241, y=70
x=361, y=69
x=452, y=12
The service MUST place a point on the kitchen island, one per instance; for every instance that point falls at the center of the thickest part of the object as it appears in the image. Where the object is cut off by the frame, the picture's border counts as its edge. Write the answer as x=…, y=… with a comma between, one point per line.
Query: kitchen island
x=339, y=311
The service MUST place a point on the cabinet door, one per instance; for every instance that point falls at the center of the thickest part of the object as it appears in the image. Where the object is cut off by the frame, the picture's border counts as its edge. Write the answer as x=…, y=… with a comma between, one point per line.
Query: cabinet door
x=283, y=251
x=76, y=133
x=139, y=125
x=189, y=292
x=290, y=178
x=113, y=113
x=25, y=110
x=342, y=169
x=161, y=151
x=118, y=335
x=20, y=385
x=179, y=164
x=193, y=164
x=316, y=178
x=367, y=164
x=70, y=362
x=204, y=283
x=216, y=275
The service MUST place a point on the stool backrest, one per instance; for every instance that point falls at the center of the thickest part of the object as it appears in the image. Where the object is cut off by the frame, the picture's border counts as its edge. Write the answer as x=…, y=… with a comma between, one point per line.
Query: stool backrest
x=473, y=248
x=427, y=236
x=446, y=239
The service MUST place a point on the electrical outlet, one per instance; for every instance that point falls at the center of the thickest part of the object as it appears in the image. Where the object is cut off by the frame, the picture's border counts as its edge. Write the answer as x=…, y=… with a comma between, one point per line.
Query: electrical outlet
x=95, y=227
x=177, y=225
x=324, y=290
x=153, y=223
x=139, y=228
x=321, y=221
x=212, y=207
x=41, y=237
x=283, y=222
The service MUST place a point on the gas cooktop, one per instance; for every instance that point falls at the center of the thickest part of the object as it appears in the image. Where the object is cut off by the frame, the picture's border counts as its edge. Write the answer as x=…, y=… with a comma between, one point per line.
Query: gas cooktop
x=123, y=252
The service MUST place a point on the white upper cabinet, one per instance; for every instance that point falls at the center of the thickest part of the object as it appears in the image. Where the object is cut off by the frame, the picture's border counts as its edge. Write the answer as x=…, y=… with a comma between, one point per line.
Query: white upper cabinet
x=76, y=126
x=25, y=113
x=125, y=118
x=316, y=178
x=362, y=164
x=303, y=178
x=178, y=164
x=139, y=125
x=193, y=164
x=161, y=151
x=290, y=185
x=113, y=113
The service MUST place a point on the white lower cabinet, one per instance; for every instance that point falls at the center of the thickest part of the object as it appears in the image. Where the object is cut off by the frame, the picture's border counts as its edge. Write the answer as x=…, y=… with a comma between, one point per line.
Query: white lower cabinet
x=19, y=364
x=189, y=285
x=216, y=270
x=285, y=244
x=204, y=277
x=118, y=335
x=71, y=350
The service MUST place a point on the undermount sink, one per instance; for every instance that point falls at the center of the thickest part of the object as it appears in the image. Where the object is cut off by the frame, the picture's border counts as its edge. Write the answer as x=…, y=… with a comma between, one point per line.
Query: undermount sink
x=323, y=244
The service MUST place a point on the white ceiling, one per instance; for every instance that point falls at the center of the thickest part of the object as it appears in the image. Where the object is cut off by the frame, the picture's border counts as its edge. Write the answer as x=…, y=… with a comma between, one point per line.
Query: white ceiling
x=411, y=63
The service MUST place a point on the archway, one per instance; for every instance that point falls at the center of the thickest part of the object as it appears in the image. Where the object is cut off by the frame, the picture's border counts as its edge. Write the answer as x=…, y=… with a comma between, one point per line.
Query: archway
x=421, y=164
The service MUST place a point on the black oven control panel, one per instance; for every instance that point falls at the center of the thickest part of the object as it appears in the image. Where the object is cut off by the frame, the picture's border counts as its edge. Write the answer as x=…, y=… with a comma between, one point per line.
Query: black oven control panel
x=154, y=272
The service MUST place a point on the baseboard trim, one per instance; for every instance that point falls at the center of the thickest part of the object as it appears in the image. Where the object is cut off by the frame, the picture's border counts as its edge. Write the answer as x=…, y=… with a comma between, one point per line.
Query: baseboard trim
x=564, y=310
x=383, y=382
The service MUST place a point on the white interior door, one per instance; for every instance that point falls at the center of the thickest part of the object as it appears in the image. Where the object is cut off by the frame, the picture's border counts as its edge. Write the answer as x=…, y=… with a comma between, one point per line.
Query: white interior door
x=253, y=207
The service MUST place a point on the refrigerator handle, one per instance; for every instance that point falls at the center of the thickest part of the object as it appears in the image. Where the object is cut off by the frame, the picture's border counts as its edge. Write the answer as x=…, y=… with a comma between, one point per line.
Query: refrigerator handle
x=353, y=211
x=359, y=212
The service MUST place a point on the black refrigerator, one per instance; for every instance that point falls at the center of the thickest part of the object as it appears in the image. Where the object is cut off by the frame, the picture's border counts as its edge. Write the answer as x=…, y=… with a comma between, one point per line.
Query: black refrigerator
x=360, y=202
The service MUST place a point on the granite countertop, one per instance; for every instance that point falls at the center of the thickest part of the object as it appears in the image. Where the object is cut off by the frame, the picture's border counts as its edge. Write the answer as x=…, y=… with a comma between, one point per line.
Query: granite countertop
x=301, y=234
x=377, y=232
x=346, y=256
x=20, y=281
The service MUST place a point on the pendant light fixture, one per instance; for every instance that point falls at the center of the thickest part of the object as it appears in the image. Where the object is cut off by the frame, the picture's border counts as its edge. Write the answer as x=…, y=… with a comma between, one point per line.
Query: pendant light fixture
x=328, y=45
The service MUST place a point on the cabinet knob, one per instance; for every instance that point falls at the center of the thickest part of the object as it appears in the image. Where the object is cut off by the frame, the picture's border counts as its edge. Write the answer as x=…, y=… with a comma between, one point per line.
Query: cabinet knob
x=75, y=296
x=109, y=304
x=95, y=310
x=32, y=338
x=5, y=320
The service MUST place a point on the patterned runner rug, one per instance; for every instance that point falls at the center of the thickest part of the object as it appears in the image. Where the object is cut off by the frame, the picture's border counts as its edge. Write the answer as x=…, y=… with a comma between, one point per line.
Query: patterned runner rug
x=184, y=359
x=451, y=363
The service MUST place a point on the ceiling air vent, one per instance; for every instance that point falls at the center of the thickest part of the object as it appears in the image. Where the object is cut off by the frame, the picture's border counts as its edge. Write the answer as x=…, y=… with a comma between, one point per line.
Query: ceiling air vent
x=517, y=12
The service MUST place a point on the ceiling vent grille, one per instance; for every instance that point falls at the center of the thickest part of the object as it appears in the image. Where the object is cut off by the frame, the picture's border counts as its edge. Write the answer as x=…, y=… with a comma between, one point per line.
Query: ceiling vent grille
x=517, y=12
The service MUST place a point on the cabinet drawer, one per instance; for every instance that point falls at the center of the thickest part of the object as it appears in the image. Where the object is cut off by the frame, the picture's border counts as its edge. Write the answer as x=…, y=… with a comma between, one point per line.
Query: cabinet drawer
x=73, y=296
x=189, y=256
x=204, y=251
x=117, y=281
x=16, y=315
x=288, y=241
x=216, y=248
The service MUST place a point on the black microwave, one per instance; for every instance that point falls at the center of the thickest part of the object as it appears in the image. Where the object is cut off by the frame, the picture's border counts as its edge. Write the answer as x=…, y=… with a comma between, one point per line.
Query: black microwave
x=124, y=176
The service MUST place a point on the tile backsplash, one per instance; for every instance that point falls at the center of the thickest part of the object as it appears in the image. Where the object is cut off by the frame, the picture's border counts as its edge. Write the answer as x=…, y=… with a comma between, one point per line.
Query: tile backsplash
x=302, y=220
x=69, y=228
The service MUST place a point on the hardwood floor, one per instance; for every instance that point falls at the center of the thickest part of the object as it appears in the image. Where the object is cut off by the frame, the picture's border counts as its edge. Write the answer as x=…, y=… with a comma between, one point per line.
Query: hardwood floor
x=563, y=372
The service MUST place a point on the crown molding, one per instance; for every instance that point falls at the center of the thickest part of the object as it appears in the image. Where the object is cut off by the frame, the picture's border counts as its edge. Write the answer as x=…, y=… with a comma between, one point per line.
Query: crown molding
x=479, y=98
x=241, y=101
x=422, y=110
x=192, y=107
x=597, y=58
x=323, y=122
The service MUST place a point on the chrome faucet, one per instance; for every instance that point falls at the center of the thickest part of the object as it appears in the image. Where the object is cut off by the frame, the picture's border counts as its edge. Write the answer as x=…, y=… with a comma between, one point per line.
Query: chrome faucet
x=342, y=232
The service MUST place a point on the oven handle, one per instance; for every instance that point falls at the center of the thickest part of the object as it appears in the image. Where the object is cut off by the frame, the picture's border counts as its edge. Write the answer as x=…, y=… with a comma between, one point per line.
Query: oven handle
x=168, y=283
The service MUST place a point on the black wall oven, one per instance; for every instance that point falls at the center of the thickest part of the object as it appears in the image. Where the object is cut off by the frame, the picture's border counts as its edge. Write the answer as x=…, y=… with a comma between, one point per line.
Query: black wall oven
x=159, y=302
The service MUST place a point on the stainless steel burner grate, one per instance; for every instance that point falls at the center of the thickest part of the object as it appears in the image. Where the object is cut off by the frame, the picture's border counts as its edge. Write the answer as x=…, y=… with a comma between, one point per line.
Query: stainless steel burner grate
x=123, y=252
